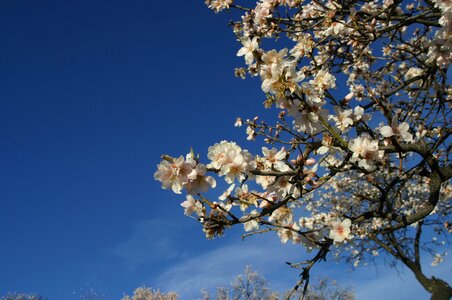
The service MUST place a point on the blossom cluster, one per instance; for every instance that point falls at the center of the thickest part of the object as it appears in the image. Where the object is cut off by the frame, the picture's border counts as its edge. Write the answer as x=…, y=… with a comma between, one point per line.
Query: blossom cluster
x=360, y=144
x=182, y=173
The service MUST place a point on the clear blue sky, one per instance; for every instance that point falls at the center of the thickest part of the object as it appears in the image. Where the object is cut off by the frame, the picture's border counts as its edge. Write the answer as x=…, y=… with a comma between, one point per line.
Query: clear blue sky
x=91, y=94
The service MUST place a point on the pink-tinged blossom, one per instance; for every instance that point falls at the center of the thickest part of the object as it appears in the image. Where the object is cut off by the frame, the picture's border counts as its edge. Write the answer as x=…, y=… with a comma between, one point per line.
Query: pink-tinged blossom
x=275, y=60
x=249, y=46
x=291, y=78
x=303, y=47
x=278, y=73
x=308, y=121
x=286, y=234
x=440, y=51
x=245, y=198
x=274, y=159
x=281, y=215
x=198, y=181
x=251, y=133
x=191, y=205
x=271, y=69
x=282, y=187
x=387, y=3
x=231, y=161
x=219, y=5
x=234, y=170
x=336, y=29
x=397, y=130
x=313, y=97
x=365, y=152
x=343, y=118
x=252, y=224
x=174, y=174
x=265, y=181
x=358, y=91
x=262, y=12
x=220, y=154
x=326, y=144
x=323, y=80
x=340, y=230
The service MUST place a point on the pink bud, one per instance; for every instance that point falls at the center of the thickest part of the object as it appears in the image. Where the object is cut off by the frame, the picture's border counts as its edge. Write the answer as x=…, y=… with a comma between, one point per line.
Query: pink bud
x=349, y=96
x=310, y=161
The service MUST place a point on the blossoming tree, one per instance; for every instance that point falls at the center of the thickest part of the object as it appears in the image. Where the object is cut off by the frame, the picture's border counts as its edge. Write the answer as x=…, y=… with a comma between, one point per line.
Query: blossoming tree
x=358, y=161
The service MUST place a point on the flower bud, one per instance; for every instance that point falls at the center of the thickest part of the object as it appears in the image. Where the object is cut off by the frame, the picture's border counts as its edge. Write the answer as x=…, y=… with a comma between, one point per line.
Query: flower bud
x=310, y=161
x=349, y=96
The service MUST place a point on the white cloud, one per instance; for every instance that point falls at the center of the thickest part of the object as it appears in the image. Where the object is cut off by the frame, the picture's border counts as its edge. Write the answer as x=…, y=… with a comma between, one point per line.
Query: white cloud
x=151, y=241
x=218, y=267
x=265, y=254
x=161, y=244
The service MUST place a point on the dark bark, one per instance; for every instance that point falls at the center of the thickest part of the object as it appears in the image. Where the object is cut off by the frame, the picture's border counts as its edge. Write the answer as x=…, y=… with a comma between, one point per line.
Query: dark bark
x=438, y=288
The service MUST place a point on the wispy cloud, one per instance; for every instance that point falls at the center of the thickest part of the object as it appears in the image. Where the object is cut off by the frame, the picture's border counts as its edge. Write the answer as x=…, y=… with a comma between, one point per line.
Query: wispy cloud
x=218, y=267
x=151, y=241
x=266, y=255
x=163, y=244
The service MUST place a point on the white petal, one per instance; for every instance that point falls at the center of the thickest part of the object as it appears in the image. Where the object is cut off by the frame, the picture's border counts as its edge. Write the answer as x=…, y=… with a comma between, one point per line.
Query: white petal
x=322, y=150
x=386, y=131
x=407, y=137
x=403, y=127
x=346, y=223
x=242, y=51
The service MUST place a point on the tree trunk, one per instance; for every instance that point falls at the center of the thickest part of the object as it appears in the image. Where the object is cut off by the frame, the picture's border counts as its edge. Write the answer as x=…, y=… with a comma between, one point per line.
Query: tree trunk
x=439, y=289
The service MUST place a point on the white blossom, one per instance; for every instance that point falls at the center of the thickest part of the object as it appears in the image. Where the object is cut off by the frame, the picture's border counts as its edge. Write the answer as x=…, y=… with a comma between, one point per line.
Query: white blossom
x=365, y=151
x=397, y=130
x=340, y=230
x=249, y=46
x=251, y=224
x=191, y=205
x=174, y=174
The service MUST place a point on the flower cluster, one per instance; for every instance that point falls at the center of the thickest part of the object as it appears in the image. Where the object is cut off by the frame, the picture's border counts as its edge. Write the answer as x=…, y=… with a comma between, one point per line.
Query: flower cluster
x=230, y=161
x=360, y=147
x=182, y=173
x=366, y=151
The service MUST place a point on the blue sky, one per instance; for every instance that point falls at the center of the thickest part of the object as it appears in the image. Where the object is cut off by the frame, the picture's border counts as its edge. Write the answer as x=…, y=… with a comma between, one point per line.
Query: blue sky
x=92, y=93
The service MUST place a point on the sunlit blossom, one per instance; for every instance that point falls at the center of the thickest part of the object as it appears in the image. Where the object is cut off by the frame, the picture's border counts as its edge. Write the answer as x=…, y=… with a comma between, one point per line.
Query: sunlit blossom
x=340, y=230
